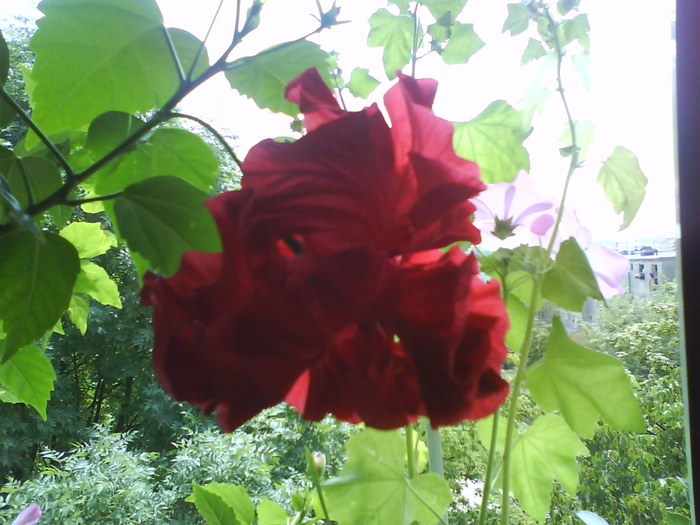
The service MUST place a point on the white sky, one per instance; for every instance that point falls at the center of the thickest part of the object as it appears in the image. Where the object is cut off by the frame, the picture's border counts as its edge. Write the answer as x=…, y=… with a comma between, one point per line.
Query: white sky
x=630, y=99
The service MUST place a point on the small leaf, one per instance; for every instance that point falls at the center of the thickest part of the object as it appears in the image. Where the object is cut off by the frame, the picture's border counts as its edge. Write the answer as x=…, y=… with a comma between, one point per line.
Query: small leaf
x=108, y=130
x=37, y=274
x=169, y=151
x=624, y=183
x=362, y=83
x=94, y=281
x=494, y=140
x=395, y=35
x=28, y=377
x=88, y=238
x=163, y=217
x=570, y=280
x=442, y=8
x=233, y=496
x=533, y=51
x=575, y=29
x=270, y=513
x=583, y=385
x=564, y=6
x=212, y=507
x=463, y=43
x=78, y=312
x=265, y=76
x=590, y=518
x=673, y=518
x=518, y=19
x=373, y=489
x=544, y=452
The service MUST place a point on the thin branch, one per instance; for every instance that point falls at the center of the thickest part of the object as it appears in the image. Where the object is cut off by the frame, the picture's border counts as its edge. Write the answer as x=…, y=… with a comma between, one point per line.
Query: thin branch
x=70, y=174
x=222, y=140
x=206, y=37
x=173, y=53
x=78, y=202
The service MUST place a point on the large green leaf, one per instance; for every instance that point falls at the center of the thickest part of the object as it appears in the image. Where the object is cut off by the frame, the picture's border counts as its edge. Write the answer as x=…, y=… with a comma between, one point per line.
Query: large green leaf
x=94, y=281
x=169, y=151
x=441, y=8
x=624, y=183
x=223, y=504
x=544, y=452
x=32, y=178
x=373, y=489
x=463, y=43
x=6, y=111
x=583, y=385
x=94, y=56
x=494, y=140
x=265, y=76
x=362, y=83
x=395, y=35
x=37, y=274
x=163, y=217
x=27, y=378
x=88, y=238
x=570, y=281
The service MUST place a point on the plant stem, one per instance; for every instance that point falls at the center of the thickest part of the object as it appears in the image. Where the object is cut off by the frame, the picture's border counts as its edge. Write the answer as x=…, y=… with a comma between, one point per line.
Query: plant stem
x=211, y=129
x=414, y=50
x=489, y=470
x=32, y=125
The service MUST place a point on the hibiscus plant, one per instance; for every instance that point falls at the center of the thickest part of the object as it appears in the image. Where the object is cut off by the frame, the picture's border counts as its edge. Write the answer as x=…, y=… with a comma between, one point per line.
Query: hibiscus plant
x=347, y=274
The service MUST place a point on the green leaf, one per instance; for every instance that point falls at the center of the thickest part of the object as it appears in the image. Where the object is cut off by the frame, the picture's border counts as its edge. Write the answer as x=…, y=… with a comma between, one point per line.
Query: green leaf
x=494, y=140
x=624, y=183
x=163, y=217
x=583, y=385
x=33, y=178
x=27, y=377
x=212, y=507
x=265, y=76
x=94, y=56
x=88, y=238
x=484, y=429
x=395, y=35
x=575, y=29
x=373, y=489
x=78, y=312
x=108, y=130
x=463, y=43
x=518, y=19
x=517, y=317
x=362, y=83
x=401, y=4
x=673, y=518
x=544, y=452
x=570, y=280
x=564, y=6
x=441, y=8
x=37, y=274
x=169, y=151
x=533, y=51
x=94, y=281
x=270, y=513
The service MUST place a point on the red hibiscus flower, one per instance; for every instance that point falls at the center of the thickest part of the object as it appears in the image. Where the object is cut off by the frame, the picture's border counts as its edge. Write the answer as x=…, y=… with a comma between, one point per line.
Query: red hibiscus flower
x=330, y=292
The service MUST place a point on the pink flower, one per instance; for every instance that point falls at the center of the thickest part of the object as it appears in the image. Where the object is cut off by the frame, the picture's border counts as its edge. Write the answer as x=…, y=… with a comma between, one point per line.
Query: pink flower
x=28, y=516
x=509, y=214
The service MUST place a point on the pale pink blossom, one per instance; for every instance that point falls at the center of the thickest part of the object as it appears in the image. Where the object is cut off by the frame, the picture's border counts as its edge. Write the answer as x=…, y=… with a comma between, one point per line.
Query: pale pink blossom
x=28, y=516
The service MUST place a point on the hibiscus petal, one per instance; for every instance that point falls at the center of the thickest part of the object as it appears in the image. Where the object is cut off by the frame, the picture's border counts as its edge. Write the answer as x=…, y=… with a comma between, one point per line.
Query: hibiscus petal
x=314, y=98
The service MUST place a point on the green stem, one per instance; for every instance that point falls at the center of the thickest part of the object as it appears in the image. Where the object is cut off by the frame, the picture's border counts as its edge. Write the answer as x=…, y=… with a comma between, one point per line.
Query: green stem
x=435, y=465
x=173, y=54
x=317, y=485
x=410, y=456
x=489, y=470
x=32, y=125
x=515, y=395
x=99, y=198
x=206, y=36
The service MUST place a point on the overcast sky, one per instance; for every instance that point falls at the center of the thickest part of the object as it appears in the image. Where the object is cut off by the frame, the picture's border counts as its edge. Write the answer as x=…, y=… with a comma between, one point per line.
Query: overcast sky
x=630, y=100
